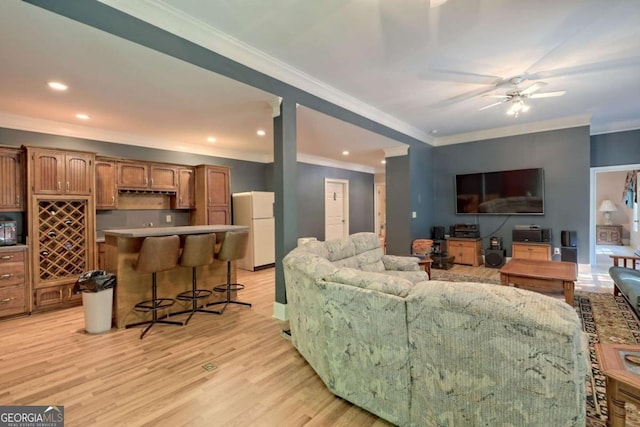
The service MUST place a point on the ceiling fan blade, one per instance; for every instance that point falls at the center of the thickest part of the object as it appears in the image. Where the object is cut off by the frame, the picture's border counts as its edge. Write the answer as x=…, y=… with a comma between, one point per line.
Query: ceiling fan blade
x=497, y=96
x=547, y=94
x=492, y=105
x=534, y=87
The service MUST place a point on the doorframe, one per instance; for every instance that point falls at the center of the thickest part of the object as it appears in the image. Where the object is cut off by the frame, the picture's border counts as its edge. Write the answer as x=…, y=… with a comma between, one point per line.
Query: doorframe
x=376, y=206
x=592, y=203
x=345, y=203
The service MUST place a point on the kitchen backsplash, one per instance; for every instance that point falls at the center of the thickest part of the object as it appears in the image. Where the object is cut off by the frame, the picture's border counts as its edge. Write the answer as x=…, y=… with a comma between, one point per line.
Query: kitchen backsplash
x=106, y=220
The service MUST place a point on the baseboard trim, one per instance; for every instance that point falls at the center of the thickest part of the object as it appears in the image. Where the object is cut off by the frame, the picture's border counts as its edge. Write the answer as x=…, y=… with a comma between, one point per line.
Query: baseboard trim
x=280, y=311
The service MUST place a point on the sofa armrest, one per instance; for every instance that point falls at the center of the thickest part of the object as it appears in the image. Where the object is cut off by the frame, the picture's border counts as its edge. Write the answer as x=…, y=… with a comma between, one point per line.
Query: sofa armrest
x=400, y=263
x=627, y=261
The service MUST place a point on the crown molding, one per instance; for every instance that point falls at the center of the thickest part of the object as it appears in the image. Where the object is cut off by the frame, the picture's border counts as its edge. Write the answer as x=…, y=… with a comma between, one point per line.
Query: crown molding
x=401, y=150
x=321, y=161
x=52, y=127
x=168, y=18
x=519, y=129
x=615, y=127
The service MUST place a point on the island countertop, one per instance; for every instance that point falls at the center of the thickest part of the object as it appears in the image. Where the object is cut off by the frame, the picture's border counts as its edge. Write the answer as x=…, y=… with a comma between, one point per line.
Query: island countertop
x=168, y=231
x=122, y=247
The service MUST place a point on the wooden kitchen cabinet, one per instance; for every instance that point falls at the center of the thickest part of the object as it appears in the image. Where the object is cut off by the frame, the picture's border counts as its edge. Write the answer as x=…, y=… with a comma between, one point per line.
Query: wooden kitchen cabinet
x=186, y=194
x=147, y=176
x=101, y=251
x=57, y=172
x=212, y=196
x=106, y=187
x=528, y=250
x=11, y=177
x=55, y=297
x=14, y=293
x=465, y=251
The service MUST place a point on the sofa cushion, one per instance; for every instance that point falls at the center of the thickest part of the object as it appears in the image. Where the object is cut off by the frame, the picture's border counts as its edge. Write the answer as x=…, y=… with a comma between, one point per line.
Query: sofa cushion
x=339, y=249
x=628, y=281
x=380, y=282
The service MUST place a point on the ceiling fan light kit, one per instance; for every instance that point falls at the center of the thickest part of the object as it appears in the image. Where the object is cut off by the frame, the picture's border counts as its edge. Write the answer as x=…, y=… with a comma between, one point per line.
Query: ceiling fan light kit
x=516, y=96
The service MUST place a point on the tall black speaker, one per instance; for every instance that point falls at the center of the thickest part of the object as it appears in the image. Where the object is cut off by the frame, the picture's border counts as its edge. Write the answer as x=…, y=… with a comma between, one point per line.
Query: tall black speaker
x=569, y=254
x=437, y=233
x=569, y=238
x=494, y=258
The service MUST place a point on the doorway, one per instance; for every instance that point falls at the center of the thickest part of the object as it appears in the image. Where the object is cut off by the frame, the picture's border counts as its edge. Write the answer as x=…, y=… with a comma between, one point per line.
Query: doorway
x=336, y=208
x=608, y=183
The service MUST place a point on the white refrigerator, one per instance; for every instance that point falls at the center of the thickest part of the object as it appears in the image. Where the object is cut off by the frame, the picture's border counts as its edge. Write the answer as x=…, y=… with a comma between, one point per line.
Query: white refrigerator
x=255, y=209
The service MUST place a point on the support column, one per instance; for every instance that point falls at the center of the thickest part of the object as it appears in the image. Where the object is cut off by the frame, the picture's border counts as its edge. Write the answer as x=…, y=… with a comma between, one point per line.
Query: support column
x=285, y=177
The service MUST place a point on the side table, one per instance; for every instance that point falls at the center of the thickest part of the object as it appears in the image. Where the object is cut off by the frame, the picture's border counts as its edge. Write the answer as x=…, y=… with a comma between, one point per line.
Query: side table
x=424, y=263
x=623, y=379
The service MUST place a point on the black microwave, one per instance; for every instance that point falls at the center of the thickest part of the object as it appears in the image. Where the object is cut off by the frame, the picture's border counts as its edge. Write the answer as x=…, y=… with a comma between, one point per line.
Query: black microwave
x=8, y=233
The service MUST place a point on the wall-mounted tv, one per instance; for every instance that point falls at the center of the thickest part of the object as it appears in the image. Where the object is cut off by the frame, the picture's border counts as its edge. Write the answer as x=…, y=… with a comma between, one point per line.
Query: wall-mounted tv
x=513, y=192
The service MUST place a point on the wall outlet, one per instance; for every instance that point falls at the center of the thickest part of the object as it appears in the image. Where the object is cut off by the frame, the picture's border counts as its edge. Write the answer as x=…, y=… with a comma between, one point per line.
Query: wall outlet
x=414, y=214
x=167, y=218
x=556, y=251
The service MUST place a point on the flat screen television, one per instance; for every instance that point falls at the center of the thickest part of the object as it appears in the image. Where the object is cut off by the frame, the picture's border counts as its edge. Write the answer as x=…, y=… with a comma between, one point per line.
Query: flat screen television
x=512, y=192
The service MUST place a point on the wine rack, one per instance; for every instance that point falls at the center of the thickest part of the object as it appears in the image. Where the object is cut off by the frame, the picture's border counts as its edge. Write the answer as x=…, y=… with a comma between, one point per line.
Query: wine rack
x=62, y=246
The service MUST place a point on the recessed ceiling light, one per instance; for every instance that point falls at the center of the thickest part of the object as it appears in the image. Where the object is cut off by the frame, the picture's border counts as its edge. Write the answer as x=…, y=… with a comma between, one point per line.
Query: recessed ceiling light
x=345, y=153
x=211, y=139
x=260, y=132
x=61, y=87
x=434, y=131
x=383, y=162
x=82, y=116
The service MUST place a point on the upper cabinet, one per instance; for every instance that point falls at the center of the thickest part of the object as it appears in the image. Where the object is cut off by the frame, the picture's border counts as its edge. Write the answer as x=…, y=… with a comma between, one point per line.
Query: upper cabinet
x=186, y=195
x=106, y=188
x=212, y=196
x=11, y=179
x=57, y=172
x=147, y=176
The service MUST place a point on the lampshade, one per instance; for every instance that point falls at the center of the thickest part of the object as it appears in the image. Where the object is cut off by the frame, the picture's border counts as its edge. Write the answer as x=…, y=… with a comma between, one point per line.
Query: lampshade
x=607, y=206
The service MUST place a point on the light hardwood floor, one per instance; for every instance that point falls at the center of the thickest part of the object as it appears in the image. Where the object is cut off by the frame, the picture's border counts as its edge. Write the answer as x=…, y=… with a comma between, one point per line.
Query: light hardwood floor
x=116, y=379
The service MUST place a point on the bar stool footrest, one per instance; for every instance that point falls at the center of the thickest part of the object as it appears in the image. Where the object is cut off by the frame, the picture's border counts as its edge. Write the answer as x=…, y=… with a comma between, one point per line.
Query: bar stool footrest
x=232, y=287
x=190, y=295
x=154, y=305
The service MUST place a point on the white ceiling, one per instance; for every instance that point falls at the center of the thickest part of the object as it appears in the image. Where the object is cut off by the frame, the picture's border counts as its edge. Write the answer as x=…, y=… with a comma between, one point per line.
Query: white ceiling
x=411, y=67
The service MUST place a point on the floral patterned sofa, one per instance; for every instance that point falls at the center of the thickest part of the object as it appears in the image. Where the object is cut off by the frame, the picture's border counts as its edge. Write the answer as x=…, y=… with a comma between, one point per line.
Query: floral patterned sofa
x=433, y=353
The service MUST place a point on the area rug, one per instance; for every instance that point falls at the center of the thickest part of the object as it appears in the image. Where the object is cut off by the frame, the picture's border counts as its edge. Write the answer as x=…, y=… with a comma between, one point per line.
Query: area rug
x=605, y=319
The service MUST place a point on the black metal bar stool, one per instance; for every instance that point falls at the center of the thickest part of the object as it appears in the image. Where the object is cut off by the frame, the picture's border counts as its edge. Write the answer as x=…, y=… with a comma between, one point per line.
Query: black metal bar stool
x=233, y=248
x=156, y=254
x=198, y=250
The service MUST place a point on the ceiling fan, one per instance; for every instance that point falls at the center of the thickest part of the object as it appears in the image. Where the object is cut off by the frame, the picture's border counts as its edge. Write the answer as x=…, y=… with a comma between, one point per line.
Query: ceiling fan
x=516, y=96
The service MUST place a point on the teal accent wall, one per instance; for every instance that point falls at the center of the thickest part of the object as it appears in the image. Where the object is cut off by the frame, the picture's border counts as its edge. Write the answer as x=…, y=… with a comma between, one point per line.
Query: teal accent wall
x=563, y=154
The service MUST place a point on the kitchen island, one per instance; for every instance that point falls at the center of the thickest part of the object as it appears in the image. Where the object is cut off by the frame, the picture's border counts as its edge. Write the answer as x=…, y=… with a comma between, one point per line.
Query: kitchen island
x=122, y=247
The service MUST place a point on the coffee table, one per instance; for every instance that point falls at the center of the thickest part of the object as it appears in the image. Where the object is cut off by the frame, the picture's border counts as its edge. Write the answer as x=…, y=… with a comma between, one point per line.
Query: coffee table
x=541, y=274
x=623, y=379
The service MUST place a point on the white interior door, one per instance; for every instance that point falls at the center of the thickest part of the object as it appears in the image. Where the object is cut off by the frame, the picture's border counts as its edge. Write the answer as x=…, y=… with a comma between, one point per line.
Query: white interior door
x=336, y=208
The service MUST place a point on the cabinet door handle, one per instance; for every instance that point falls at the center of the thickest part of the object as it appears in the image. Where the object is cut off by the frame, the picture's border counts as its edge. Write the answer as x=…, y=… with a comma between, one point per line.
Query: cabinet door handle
x=146, y=181
x=151, y=181
x=59, y=185
x=60, y=293
x=18, y=198
x=113, y=199
x=6, y=300
x=6, y=257
x=6, y=276
x=180, y=199
x=67, y=185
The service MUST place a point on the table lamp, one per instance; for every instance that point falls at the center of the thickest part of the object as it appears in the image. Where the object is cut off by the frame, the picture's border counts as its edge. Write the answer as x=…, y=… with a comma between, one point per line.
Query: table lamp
x=606, y=207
